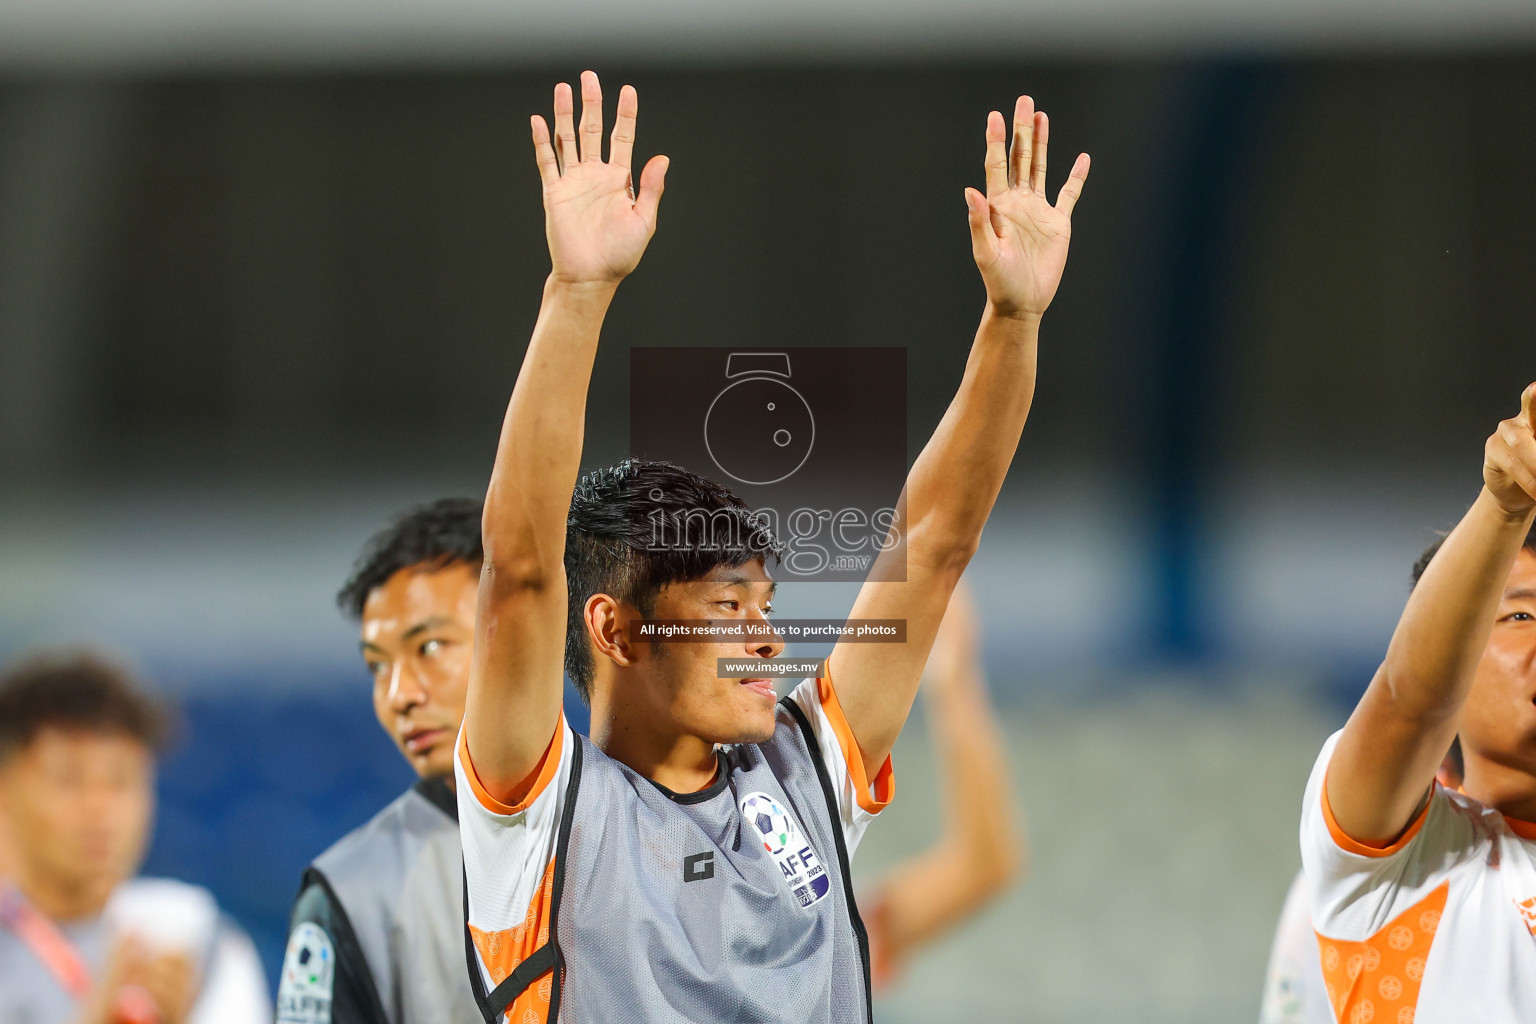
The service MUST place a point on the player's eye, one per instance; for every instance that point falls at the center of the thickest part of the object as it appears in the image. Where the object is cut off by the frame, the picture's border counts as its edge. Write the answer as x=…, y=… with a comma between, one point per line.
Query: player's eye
x=375, y=668
x=1519, y=617
x=732, y=605
x=430, y=647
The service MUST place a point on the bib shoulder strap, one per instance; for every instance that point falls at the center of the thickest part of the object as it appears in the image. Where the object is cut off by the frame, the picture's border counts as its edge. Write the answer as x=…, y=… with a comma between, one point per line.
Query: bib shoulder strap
x=494, y=1004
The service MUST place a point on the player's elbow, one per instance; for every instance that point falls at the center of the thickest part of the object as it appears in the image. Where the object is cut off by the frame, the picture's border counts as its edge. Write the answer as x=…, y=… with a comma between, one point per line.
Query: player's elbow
x=944, y=545
x=517, y=573
x=1001, y=867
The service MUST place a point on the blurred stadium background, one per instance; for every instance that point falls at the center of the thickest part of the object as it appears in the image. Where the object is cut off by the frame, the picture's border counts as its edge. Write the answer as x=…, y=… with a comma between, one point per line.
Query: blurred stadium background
x=267, y=271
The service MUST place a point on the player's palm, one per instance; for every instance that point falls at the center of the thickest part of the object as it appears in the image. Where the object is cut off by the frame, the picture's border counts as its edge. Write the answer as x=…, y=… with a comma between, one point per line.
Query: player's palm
x=1018, y=237
x=597, y=228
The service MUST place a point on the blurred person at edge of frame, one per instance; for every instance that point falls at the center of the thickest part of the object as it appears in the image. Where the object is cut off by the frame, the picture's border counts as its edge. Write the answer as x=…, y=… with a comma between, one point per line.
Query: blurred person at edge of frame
x=982, y=850
x=376, y=933
x=82, y=941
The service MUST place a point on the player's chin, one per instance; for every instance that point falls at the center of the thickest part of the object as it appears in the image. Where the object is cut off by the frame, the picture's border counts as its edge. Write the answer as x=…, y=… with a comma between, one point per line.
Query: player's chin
x=754, y=720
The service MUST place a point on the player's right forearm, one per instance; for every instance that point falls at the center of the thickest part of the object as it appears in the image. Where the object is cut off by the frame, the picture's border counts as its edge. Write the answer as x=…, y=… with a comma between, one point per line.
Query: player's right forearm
x=1445, y=626
x=539, y=453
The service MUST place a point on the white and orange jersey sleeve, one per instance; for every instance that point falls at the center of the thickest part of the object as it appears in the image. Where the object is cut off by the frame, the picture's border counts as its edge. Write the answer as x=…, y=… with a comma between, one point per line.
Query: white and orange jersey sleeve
x=509, y=868
x=858, y=799
x=1377, y=909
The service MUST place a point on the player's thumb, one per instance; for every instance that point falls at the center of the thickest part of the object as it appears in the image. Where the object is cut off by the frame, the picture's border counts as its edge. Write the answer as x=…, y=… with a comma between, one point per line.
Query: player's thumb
x=1528, y=407
x=979, y=216
x=653, y=182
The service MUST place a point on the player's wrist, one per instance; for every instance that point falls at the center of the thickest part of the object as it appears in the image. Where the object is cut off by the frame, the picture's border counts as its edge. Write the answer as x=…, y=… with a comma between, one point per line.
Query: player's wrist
x=561, y=286
x=1012, y=318
x=1511, y=510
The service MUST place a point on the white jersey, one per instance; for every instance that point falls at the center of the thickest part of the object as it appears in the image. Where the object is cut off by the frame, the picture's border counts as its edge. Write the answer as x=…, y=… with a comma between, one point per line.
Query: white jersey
x=1439, y=927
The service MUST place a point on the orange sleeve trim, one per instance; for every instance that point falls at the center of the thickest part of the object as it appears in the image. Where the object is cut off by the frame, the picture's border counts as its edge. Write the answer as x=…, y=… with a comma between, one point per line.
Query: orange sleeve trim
x=1355, y=846
x=872, y=799
x=543, y=772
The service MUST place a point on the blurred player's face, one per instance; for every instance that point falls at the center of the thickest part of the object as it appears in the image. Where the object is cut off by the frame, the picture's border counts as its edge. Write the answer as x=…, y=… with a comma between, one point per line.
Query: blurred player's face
x=418, y=637
x=78, y=807
x=1499, y=722
x=679, y=683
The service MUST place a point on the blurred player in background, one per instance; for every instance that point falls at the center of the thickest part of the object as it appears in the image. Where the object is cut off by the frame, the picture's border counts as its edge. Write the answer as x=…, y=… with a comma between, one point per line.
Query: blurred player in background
x=81, y=940
x=1424, y=899
x=376, y=934
x=982, y=850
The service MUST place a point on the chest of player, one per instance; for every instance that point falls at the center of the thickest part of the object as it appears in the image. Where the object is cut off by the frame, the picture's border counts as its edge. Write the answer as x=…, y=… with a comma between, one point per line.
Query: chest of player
x=724, y=904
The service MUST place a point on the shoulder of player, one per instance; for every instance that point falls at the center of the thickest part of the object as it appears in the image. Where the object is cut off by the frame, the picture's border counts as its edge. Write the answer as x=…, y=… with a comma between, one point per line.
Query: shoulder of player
x=411, y=814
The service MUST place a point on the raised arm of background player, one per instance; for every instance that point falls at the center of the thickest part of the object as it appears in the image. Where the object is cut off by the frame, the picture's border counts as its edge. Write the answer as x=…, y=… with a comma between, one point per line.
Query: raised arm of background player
x=1019, y=241
x=982, y=849
x=597, y=230
x=1386, y=758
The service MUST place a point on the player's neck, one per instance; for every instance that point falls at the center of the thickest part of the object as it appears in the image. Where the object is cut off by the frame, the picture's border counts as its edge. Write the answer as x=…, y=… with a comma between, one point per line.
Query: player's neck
x=1509, y=790
x=59, y=899
x=680, y=762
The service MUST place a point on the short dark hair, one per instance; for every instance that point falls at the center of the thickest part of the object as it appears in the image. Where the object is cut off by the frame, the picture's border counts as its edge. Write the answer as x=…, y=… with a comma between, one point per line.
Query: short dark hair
x=76, y=690
x=1434, y=549
x=641, y=524
x=431, y=537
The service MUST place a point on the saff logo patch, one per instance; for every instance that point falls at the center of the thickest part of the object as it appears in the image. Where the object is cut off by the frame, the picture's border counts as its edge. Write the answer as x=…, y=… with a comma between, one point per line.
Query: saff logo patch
x=788, y=846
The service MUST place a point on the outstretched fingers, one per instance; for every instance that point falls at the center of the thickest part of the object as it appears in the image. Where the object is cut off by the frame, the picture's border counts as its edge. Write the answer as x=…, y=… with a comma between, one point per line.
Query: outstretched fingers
x=653, y=181
x=1073, y=189
x=997, y=160
x=621, y=145
x=1042, y=127
x=565, y=126
x=983, y=240
x=1023, y=134
x=591, y=117
x=543, y=152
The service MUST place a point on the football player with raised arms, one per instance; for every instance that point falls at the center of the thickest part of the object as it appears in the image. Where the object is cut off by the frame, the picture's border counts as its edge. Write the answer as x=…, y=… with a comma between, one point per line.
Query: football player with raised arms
x=690, y=861
x=1424, y=897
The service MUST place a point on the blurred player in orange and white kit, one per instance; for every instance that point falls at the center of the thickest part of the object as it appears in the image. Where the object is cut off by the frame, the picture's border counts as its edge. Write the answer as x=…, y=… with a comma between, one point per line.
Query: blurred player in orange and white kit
x=1424, y=899
x=982, y=850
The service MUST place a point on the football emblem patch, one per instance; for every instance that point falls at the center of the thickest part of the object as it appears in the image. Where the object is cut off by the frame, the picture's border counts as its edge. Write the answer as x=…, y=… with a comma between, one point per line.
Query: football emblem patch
x=309, y=972
x=788, y=847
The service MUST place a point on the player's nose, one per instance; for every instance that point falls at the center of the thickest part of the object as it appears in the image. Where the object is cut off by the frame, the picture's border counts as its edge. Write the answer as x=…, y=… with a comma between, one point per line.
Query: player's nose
x=405, y=690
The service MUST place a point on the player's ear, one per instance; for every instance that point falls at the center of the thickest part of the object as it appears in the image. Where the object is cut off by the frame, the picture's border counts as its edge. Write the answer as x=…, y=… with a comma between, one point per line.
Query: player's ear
x=606, y=629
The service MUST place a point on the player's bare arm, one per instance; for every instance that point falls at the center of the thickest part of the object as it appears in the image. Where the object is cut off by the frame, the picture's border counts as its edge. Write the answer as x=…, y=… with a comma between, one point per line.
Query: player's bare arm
x=597, y=227
x=1387, y=755
x=1019, y=239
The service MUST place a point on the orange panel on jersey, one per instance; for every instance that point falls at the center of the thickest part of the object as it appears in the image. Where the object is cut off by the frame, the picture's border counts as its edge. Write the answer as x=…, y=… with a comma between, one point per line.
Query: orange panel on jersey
x=1378, y=980
x=501, y=952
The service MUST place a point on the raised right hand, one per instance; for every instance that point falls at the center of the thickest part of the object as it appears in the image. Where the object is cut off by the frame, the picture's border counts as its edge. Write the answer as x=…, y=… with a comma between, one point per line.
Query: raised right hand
x=1509, y=459
x=597, y=227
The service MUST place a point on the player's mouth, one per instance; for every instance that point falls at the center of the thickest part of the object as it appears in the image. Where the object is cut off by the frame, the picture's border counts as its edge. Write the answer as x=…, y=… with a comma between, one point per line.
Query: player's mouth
x=762, y=687
x=420, y=741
